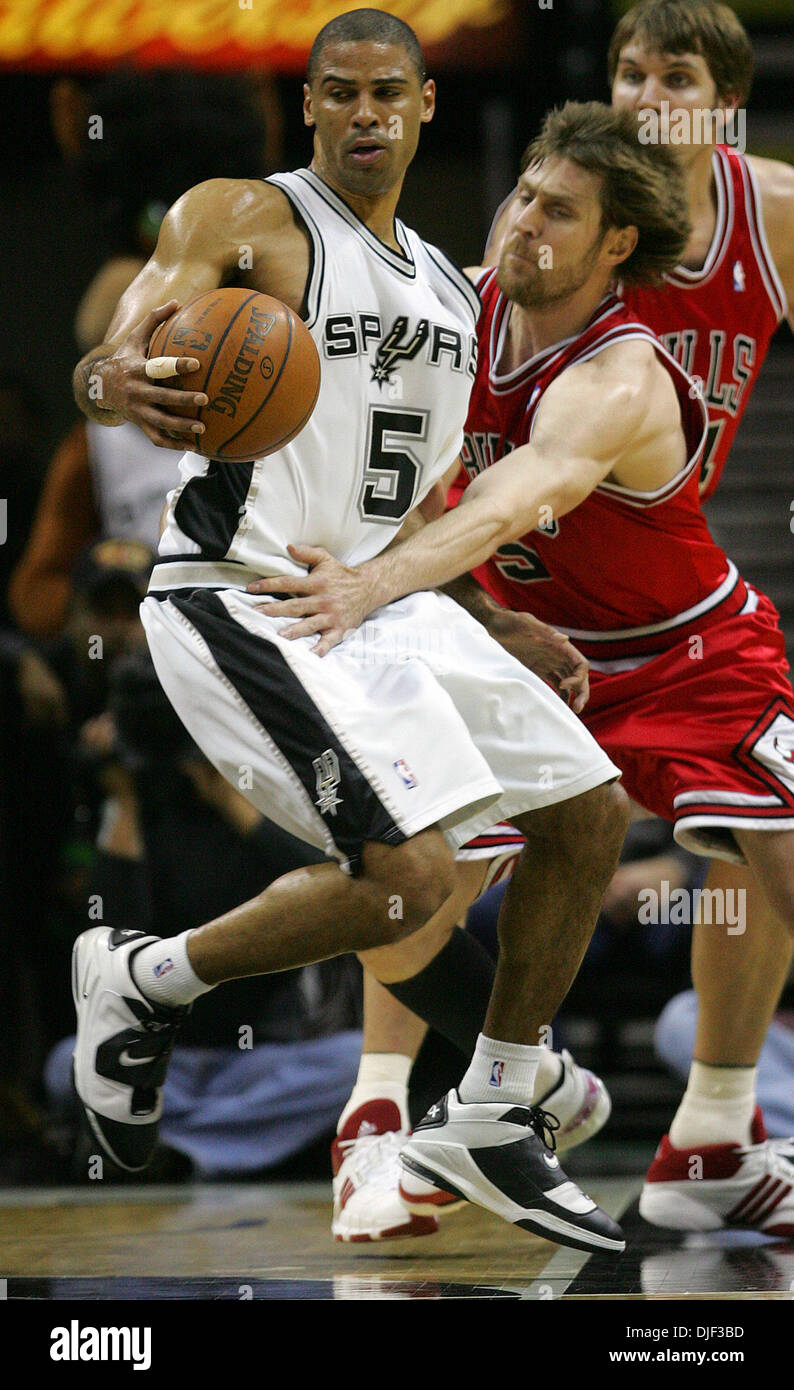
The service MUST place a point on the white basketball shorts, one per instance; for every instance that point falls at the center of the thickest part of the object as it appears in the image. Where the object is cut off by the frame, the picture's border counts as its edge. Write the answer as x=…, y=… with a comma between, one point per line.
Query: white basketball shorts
x=417, y=718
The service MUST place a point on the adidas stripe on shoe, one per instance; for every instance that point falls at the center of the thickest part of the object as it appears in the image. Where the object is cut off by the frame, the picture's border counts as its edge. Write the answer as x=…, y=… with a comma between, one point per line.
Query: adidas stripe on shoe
x=723, y=1185
x=365, y=1157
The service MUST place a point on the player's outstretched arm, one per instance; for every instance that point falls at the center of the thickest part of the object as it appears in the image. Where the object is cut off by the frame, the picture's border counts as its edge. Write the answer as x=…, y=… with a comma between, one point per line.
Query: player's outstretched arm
x=198, y=248
x=590, y=422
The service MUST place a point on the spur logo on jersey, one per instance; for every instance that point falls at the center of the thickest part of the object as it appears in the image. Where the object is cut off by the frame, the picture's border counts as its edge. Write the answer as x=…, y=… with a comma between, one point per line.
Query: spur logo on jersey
x=328, y=778
x=397, y=347
x=355, y=335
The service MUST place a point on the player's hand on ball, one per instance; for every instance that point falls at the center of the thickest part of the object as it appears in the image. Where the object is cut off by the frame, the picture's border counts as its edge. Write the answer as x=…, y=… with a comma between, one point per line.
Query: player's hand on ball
x=133, y=388
x=546, y=652
x=331, y=599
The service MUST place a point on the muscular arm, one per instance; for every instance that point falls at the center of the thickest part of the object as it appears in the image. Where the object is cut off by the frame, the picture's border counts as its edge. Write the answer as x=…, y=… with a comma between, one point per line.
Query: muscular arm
x=776, y=185
x=598, y=420
x=199, y=248
x=615, y=416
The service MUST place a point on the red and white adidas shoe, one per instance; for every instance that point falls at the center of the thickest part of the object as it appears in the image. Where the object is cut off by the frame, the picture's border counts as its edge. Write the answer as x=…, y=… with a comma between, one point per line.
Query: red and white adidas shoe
x=723, y=1185
x=366, y=1167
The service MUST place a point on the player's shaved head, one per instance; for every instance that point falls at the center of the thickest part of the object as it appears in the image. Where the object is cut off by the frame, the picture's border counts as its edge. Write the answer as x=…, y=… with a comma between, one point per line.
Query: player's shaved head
x=366, y=26
x=691, y=26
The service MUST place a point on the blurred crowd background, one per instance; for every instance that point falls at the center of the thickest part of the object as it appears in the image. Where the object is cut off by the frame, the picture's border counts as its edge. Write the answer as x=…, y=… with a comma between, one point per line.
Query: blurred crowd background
x=107, y=812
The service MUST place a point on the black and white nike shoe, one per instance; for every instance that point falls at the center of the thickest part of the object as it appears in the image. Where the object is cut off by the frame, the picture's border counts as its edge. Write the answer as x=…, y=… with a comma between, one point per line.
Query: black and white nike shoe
x=123, y=1045
x=498, y=1156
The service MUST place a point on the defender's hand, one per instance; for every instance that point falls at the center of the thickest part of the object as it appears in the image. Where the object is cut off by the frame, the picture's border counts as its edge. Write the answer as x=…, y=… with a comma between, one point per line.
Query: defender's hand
x=132, y=389
x=546, y=652
x=331, y=598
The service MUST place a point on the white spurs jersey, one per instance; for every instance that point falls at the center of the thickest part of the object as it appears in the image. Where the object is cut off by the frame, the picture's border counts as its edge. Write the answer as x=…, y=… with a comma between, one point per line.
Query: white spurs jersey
x=397, y=344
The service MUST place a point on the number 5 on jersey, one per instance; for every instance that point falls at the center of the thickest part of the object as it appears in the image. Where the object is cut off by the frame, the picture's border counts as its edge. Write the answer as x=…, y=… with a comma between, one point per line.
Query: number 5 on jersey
x=392, y=471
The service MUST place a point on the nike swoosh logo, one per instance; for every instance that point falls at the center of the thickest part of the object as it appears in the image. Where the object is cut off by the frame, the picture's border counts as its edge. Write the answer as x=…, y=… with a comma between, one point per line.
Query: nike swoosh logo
x=127, y=1061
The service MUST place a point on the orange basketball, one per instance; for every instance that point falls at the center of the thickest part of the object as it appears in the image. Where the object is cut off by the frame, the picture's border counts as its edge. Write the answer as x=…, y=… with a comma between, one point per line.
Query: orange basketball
x=259, y=367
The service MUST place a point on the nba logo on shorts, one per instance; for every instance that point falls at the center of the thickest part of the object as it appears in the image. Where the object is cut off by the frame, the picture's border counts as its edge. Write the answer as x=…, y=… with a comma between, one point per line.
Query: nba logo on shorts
x=401, y=767
x=497, y=1071
x=163, y=967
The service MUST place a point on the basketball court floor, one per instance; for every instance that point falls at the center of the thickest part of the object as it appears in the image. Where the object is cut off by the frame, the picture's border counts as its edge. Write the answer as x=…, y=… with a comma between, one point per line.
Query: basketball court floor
x=265, y=1241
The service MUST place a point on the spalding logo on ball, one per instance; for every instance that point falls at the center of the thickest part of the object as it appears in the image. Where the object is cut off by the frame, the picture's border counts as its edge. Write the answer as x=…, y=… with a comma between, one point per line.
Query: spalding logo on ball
x=259, y=367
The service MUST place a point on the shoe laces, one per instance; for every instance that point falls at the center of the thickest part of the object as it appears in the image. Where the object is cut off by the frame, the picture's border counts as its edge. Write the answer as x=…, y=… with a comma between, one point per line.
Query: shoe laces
x=545, y=1125
x=161, y=1027
x=778, y=1155
x=782, y=1157
x=373, y=1158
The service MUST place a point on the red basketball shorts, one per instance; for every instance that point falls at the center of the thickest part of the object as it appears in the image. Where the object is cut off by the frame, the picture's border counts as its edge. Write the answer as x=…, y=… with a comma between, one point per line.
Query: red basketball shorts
x=704, y=732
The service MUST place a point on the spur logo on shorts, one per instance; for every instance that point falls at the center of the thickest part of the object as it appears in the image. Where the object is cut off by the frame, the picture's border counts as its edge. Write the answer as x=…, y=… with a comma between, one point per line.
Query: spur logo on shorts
x=328, y=775
x=497, y=1072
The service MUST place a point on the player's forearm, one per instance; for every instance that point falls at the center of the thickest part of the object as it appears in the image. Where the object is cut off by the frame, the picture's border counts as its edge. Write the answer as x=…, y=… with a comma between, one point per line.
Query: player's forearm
x=470, y=595
x=455, y=544
x=510, y=498
x=88, y=386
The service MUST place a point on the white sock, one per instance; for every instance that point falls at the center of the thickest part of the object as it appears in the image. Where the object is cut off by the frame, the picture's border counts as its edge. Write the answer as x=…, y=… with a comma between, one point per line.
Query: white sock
x=549, y=1075
x=717, y=1107
x=164, y=974
x=381, y=1076
x=501, y=1071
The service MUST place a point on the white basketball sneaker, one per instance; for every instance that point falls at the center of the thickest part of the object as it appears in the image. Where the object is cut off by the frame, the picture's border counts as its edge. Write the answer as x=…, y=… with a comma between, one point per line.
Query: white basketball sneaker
x=123, y=1045
x=365, y=1157
x=713, y=1186
x=579, y=1100
x=497, y=1155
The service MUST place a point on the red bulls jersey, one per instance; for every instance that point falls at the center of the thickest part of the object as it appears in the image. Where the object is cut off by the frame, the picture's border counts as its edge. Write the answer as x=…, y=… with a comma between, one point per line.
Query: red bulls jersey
x=717, y=321
x=626, y=573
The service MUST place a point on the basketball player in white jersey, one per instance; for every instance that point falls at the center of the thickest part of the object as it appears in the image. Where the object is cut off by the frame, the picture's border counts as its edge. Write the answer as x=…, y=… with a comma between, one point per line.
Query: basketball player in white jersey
x=415, y=735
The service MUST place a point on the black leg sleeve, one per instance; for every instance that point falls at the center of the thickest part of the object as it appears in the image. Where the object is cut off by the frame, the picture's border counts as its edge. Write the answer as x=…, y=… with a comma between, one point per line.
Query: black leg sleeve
x=452, y=992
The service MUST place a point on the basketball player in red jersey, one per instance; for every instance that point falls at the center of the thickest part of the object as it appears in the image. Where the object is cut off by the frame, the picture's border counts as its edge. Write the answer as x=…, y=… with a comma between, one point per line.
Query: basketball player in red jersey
x=584, y=444
x=719, y=308
x=716, y=312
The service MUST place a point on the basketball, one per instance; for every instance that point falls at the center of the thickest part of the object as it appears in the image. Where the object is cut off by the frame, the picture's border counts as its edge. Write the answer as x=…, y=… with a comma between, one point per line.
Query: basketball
x=259, y=367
